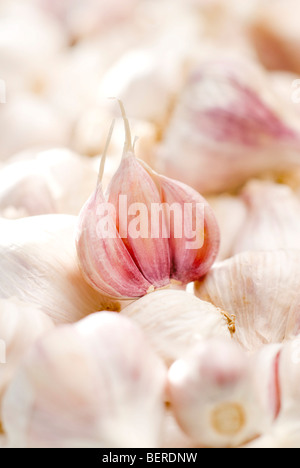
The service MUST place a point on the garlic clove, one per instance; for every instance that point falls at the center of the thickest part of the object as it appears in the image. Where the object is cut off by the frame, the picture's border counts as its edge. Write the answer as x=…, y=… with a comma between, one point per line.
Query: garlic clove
x=212, y=395
x=272, y=224
x=133, y=183
x=21, y=324
x=96, y=383
x=39, y=266
x=226, y=128
x=260, y=288
x=174, y=321
x=124, y=240
x=195, y=248
x=105, y=262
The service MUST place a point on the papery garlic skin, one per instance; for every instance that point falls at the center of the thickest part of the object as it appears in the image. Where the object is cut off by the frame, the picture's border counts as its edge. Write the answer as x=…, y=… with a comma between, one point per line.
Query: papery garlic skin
x=96, y=383
x=174, y=321
x=39, y=266
x=228, y=126
x=261, y=289
x=272, y=220
x=212, y=396
x=21, y=324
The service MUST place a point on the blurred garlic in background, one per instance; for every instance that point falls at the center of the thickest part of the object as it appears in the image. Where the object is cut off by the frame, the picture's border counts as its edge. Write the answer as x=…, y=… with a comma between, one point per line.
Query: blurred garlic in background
x=84, y=18
x=174, y=321
x=91, y=384
x=228, y=126
x=149, y=78
x=28, y=121
x=261, y=289
x=36, y=183
x=274, y=30
x=29, y=42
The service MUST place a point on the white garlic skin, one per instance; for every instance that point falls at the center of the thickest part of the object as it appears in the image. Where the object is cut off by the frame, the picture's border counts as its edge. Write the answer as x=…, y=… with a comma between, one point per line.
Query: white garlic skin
x=175, y=320
x=96, y=383
x=261, y=289
x=38, y=265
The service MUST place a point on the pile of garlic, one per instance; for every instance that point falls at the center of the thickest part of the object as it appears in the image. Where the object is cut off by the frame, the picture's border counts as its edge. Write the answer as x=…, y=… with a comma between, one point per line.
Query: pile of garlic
x=117, y=341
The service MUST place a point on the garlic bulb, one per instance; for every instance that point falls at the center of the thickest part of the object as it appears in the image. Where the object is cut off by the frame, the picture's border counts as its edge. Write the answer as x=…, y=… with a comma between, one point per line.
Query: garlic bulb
x=88, y=17
x=38, y=265
x=174, y=321
x=213, y=397
x=261, y=289
x=126, y=241
x=272, y=219
x=228, y=125
x=21, y=324
x=96, y=383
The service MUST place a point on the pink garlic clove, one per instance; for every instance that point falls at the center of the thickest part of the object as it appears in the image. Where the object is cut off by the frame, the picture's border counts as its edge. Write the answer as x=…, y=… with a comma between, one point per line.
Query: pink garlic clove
x=126, y=258
x=134, y=184
x=195, y=248
x=104, y=259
